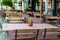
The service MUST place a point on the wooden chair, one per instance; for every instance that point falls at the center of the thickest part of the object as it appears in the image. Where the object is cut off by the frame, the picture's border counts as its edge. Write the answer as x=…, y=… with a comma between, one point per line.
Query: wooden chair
x=52, y=33
x=14, y=15
x=15, y=18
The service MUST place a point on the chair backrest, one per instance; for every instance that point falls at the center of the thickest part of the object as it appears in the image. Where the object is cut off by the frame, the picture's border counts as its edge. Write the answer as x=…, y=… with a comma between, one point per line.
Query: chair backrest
x=25, y=34
x=14, y=15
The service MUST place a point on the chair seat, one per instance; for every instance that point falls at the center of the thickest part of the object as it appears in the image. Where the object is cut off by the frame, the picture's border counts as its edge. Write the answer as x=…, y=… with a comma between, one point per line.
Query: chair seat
x=25, y=34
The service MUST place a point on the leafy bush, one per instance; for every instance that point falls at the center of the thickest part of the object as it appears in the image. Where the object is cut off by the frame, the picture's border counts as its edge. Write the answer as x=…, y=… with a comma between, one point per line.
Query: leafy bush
x=7, y=3
x=18, y=10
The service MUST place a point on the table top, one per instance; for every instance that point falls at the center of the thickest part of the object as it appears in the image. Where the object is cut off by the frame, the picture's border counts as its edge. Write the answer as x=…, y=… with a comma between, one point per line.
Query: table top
x=7, y=26
x=53, y=17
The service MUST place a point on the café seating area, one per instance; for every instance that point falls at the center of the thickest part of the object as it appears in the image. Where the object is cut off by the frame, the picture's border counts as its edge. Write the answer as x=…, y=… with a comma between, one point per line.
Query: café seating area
x=29, y=20
x=23, y=17
x=26, y=34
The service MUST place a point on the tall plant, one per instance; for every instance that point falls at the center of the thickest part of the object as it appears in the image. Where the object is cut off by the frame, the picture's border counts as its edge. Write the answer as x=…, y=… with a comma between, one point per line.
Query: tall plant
x=7, y=3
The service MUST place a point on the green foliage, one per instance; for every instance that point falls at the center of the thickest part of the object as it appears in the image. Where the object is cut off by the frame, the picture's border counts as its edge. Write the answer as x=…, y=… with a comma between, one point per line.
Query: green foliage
x=18, y=11
x=30, y=18
x=58, y=14
x=15, y=1
x=37, y=1
x=7, y=2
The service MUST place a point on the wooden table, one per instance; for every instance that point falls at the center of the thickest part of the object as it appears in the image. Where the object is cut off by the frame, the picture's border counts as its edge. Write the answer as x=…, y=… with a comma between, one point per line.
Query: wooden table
x=7, y=27
x=52, y=17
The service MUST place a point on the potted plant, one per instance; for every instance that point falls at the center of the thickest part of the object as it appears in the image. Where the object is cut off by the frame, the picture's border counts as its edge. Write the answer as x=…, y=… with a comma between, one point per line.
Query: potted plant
x=30, y=21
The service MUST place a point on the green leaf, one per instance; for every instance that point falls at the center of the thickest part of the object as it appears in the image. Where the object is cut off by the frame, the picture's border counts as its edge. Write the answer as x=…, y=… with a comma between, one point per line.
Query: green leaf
x=7, y=3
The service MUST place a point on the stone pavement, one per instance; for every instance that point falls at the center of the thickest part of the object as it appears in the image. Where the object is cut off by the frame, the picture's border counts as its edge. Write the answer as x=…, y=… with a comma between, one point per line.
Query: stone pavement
x=3, y=35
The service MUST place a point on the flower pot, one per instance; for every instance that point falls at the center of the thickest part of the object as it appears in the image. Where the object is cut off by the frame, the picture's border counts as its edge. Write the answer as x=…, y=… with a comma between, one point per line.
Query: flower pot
x=30, y=22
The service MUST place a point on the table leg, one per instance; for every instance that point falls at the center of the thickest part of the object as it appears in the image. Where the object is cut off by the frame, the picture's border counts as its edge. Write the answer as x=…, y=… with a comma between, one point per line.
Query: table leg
x=44, y=34
x=15, y=34
x=37, y=34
